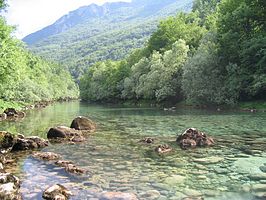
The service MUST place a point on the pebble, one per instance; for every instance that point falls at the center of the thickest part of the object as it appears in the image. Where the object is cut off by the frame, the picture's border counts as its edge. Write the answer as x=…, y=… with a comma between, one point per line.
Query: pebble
x=257, y=177
x=208, y=160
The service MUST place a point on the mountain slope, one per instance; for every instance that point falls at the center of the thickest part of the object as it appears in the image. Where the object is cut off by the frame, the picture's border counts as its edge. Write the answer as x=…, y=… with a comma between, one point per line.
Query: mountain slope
x=94, y=33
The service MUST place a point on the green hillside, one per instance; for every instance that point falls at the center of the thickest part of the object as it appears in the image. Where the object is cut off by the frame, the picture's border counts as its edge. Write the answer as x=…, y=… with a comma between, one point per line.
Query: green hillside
x=112, y=31
x=26, y=78
x=214, y=55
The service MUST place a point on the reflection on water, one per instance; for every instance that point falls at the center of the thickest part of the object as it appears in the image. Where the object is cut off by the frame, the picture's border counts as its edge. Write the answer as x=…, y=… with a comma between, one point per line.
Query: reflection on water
x=116, y=161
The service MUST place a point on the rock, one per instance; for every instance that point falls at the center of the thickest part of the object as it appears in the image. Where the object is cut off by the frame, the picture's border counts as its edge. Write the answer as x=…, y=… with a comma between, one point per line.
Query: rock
x=192, y=138
x=259, y=187
x=188, y=143
x=263, y=168
x=193, y=198
x=258, y=176
x=83, y=123
x=9, y=187
x=63, y=132
x=1, y=167
x=56, y=192
x=13, y=113
x=27, y=143
x=163, y=149
x=7, y=140
x=151, y=194
x=174, y=180
x=117, y=196
x=46, y=155
x=10, y=112
x=70, y=167
x=147, y=140
x=208, y=160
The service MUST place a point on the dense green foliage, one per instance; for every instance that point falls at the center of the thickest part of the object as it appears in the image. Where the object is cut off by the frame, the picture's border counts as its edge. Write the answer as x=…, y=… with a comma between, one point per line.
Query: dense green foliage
x=27, y=78
x=211, y=56
x=111, y=32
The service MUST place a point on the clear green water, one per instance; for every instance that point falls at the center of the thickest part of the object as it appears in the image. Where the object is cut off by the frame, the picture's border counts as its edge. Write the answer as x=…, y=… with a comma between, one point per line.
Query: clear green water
x=116, y=161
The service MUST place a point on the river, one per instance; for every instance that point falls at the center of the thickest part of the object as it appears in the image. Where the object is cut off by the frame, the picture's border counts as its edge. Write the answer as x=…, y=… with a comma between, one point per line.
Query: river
x=115, y=160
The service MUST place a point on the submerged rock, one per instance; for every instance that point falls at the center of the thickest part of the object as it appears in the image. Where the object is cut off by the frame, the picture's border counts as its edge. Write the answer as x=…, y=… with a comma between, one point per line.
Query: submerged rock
x=147, y=140
x=164, y=148
x=192, y=138
x=83, y=123
x=117, y=196
x=57, y=192
x=46, y=155
x=70, y=167
x=63, y=132
x=9, y=187
x=193, y=198
x=209, y=160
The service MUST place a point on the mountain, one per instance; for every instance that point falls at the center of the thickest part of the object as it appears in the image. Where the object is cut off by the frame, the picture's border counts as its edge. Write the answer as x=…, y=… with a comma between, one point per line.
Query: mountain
x=94, y=33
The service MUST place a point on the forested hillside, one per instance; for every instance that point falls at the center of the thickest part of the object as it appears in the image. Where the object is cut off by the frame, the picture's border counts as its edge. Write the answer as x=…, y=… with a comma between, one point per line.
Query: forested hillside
x=26, y=78
x=214, y=55
x=96, y=33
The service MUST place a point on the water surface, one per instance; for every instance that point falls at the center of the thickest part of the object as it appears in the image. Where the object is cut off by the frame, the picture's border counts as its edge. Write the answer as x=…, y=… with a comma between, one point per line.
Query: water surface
x=116, y=161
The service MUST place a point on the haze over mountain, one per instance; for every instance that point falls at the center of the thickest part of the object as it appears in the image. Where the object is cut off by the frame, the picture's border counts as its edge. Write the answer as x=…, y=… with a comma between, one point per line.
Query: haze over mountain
x=94, y=33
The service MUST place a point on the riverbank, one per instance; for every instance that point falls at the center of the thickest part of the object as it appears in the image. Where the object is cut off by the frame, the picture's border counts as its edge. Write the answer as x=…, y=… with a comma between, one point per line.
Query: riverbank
x=253, y=106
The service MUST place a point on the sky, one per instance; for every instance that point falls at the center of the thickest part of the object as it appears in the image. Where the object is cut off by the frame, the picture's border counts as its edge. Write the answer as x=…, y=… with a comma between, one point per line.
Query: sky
x=32, y=15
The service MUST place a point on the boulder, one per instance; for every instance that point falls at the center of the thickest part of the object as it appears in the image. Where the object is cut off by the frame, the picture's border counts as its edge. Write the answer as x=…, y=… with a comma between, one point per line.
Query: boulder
x=46, y=155
x=192, y=138
x=63, y=132
x=164, y=148
x=27, y=143
x=83, y=123
x=117, y=196
x=7, y=140
x=9, y=187
x=57, y=192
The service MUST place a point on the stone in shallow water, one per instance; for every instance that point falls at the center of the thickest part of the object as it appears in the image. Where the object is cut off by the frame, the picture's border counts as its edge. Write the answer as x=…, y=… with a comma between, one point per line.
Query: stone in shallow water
x=263, y=168
x=151, y=194
x=117, y=196
x=192, y=193
x=9, y=187
x=174, y=180
x=163, y=148
x=209, y=160
x=258, y=176
x=46, y=155
x=259, y=187
x=83, y=123
x=56, y=192
x=192, y=138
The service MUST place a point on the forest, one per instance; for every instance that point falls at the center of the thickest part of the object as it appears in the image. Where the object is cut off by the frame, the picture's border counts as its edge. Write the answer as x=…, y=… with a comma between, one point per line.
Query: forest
x=214, y=55
x=112, y=31
x=26, y=78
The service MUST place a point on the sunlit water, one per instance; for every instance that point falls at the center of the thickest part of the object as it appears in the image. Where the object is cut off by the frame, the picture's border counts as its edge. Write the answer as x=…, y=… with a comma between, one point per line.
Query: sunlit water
x=117, y=161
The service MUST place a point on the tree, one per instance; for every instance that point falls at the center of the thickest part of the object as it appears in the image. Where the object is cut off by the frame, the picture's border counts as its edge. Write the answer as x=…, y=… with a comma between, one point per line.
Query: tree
x=203, y=79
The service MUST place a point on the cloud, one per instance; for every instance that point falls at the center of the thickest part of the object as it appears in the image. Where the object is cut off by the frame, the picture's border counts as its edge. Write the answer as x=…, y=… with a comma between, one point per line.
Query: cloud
x=32, y=15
